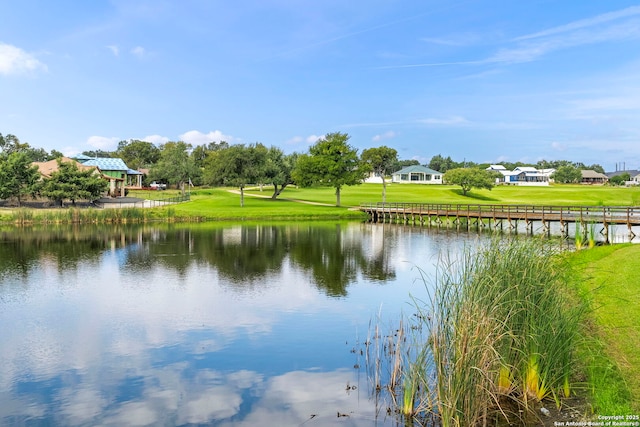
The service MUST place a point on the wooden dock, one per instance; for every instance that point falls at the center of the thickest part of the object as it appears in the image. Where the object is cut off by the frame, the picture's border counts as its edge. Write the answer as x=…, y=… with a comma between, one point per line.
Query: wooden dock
x=505, y=216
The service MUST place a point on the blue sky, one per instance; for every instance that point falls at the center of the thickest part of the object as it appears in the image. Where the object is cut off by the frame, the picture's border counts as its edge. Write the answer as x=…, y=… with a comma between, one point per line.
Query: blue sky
x=487, y=81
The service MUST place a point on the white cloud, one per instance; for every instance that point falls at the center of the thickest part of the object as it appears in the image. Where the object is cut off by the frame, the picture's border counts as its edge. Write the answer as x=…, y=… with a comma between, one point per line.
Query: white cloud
x=156, y=139
x=449, y=121
x=387, y=135
x=616, y=103
x=609, y=27
x=309, y=140
x=69, y=151
x=432, y=64
x=138, y=51
x=114, y=49
x=195, y=137
x=532, y=50
x=103, y=143
x=558, y=146
x=312, y=139
x=583, y=23
x=462, y=39
x=598, y=29
x=14, y=60
x=522, y=54
x=82, y=404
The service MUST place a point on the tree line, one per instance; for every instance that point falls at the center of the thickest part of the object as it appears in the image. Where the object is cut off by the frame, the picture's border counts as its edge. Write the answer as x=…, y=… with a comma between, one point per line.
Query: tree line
x=331, y=161
x=20, y=179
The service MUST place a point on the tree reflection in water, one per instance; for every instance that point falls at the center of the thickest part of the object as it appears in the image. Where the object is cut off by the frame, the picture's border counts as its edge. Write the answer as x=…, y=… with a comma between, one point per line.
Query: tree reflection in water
x=196, y=324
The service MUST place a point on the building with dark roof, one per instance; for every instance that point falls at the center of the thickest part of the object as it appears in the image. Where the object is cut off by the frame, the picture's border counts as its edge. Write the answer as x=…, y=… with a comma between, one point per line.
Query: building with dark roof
x=593, y=177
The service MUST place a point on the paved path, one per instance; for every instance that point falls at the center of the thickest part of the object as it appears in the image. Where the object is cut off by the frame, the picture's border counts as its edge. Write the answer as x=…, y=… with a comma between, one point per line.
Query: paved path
x=289, y=200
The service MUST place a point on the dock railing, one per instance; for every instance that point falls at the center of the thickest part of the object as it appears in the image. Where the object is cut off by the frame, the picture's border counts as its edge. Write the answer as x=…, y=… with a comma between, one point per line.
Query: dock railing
x=143, y=203
x=608, y=214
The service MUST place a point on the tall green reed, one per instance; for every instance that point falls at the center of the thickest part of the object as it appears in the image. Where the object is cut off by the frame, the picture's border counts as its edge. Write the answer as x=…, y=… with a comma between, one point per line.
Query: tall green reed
x=579, y=236
x=81, y=216
x=591, y=234
x=497, y=337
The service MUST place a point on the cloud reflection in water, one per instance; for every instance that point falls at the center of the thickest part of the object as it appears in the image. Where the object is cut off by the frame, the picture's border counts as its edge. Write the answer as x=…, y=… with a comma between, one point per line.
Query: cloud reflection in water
x=120, y=338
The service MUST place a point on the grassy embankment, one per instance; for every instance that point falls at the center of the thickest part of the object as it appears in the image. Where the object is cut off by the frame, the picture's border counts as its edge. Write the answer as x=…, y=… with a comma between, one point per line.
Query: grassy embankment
x=608, y=279
x=509, y=330
x=219, y=204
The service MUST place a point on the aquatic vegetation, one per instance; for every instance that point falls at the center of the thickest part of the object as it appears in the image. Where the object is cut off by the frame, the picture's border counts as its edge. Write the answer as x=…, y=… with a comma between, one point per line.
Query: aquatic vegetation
x=493, y=340
x=72, y=215
x=579, y=236
x=591, y=235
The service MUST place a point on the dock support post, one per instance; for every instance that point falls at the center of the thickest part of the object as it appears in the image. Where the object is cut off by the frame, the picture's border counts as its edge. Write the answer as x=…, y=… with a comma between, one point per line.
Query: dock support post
x=546, y=227
x=605, y=232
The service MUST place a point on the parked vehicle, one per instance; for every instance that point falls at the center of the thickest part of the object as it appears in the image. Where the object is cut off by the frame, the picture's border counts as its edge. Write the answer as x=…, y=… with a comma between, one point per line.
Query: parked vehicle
x=158, y=185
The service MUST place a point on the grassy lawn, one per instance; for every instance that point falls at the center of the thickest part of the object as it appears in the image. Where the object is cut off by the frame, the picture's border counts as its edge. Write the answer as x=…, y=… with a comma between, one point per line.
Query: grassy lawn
x=220, y=204
x=610, y=282
x=552, y=195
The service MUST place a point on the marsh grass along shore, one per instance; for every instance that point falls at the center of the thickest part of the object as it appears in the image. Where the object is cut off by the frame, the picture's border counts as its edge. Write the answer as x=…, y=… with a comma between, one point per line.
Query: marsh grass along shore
x=495, y=341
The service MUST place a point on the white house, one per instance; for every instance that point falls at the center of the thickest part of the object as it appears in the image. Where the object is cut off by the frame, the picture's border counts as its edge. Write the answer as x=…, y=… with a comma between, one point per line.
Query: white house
x=499, y=168
x=522, y=175
x=417, y=174
x=374, y=178
x=548, y=172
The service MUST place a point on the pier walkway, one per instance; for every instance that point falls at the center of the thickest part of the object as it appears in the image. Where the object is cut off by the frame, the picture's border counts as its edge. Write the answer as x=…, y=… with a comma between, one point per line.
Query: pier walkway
x=505, y=216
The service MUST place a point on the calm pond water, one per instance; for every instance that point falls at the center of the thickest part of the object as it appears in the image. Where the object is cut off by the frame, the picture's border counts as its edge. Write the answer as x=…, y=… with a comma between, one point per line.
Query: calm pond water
x=206, y=324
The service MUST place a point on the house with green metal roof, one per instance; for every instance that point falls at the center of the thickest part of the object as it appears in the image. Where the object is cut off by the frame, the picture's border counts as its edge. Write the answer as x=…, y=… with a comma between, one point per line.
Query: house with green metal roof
x=119, y=174
x=417, y=174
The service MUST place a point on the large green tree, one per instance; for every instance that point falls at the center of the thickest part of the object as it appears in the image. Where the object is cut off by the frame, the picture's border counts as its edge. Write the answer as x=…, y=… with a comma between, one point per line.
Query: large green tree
x=557, y=164
x=175, y=165
x=567, y=174
x=100, y=153
x=18, y=178
x=620, y=179
x=138, y=154
x=403, y=164
x=71, y=183
x=278, y=168
x=201, y=152
x=468, y=178
x=381, y=160
x=236, y=166
x=442, y=164
x=11, y=144
x=331, y=161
